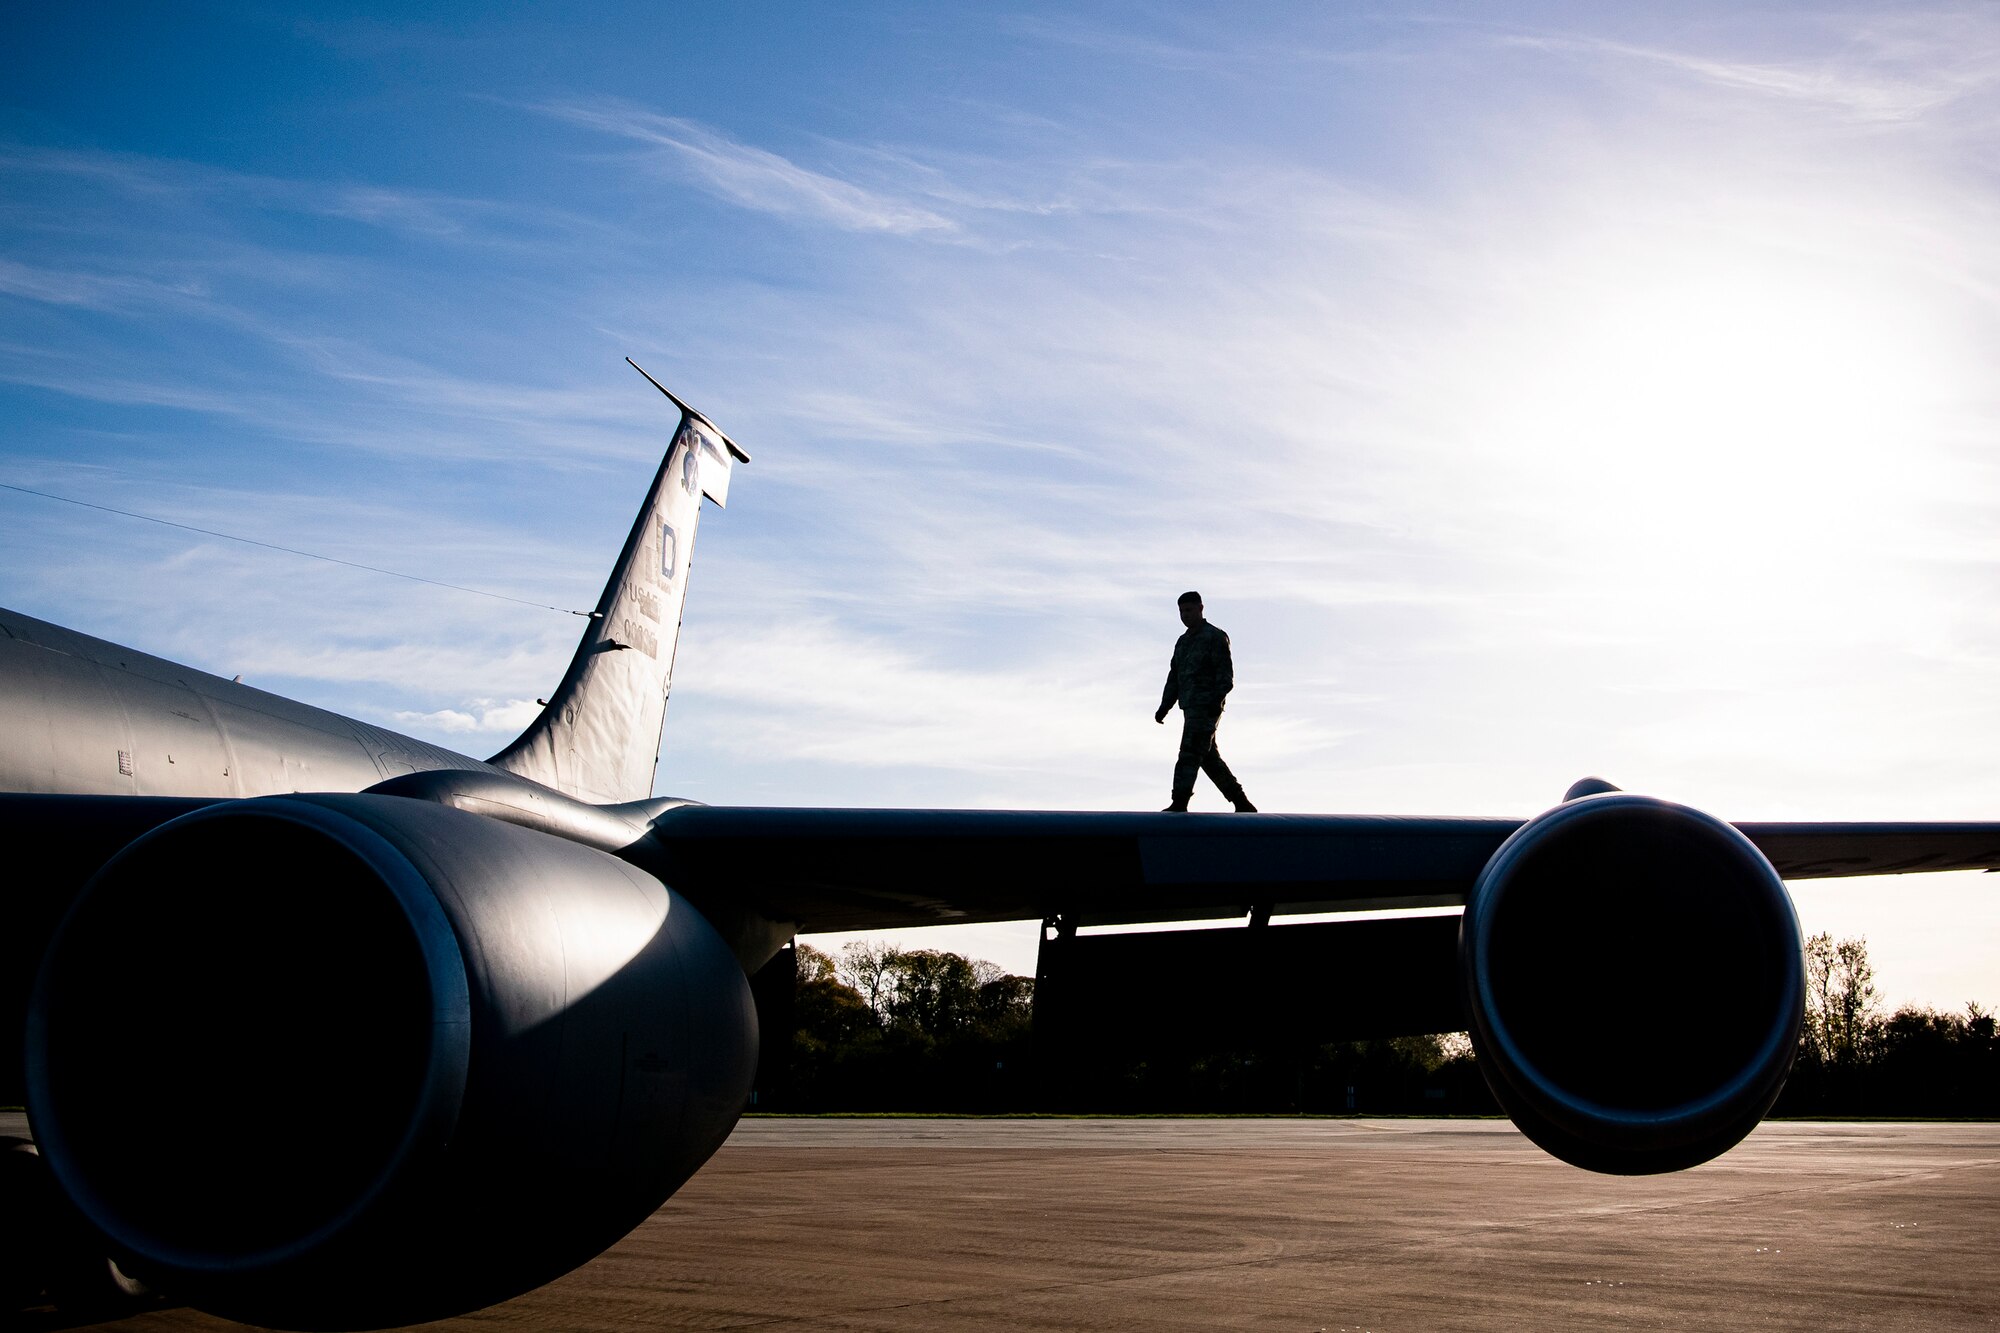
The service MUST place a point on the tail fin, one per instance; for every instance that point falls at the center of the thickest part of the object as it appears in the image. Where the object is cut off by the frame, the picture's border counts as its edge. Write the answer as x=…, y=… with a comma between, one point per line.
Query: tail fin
x=598, y=737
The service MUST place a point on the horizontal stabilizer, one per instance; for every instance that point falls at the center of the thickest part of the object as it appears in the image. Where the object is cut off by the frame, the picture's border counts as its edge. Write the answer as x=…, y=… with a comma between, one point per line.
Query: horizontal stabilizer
x=713, y=453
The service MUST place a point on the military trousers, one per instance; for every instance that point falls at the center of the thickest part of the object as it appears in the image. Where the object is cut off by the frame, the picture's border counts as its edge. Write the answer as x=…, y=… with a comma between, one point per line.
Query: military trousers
x=1198, y=752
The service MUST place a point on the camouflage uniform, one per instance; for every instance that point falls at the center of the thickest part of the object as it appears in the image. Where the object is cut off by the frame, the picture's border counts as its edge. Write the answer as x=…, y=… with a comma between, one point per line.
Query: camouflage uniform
x=1199, y=679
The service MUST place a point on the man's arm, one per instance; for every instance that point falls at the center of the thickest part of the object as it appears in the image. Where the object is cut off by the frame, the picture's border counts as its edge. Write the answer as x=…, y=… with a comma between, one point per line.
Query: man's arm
x=1226, y=668
x=1169, y=695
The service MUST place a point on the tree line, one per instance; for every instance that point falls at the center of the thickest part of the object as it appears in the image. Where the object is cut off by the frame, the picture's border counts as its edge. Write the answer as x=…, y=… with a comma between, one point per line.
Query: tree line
x=881, y=1028
x=1856, y=1060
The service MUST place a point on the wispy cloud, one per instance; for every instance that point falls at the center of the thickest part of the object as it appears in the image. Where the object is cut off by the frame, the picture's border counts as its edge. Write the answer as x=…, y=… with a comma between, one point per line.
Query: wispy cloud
x=422, y=213
x=814, y=691
x=387, y=415
x=748, y=176
x=95, y=291
x=1119, y=43
x=1204, y=46
x=1886, y=72
x=486, y=715
x=405, y=654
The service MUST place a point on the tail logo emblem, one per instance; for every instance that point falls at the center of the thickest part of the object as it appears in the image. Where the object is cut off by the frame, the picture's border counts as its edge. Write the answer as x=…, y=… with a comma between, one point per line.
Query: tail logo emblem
x=691, y=460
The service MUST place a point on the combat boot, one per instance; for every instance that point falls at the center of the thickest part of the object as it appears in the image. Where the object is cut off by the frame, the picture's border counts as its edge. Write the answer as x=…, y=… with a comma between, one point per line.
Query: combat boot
x=1179, y=806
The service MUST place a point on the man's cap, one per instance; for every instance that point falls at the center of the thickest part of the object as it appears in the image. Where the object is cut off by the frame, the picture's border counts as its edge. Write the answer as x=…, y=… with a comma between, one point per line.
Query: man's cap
x=1187, y=597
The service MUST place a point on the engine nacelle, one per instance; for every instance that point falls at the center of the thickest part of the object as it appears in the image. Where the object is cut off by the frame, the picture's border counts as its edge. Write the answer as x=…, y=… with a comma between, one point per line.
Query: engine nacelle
x=1633, y=974
x=360, y=1061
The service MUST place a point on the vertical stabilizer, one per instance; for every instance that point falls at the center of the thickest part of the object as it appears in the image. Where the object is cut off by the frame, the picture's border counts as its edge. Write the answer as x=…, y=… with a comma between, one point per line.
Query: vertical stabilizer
x=598, y=737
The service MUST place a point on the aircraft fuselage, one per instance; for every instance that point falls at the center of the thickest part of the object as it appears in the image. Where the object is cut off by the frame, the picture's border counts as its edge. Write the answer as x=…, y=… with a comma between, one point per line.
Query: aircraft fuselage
x=88, y=717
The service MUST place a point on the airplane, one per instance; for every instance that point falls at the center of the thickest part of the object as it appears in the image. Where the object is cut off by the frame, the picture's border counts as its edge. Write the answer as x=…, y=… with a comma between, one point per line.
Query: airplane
x=325, y=1027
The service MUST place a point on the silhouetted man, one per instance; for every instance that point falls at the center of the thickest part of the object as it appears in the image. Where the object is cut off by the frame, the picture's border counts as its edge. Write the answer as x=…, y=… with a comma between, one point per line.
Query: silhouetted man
x=1199, y=679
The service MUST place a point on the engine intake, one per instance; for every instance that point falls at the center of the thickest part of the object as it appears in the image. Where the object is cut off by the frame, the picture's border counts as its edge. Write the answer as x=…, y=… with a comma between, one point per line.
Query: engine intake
x=361, y=1061
x=1633, y=973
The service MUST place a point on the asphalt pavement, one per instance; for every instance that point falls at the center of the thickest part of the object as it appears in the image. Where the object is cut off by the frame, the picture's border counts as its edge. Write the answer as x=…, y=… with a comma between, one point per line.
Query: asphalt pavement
x=1308, y=1225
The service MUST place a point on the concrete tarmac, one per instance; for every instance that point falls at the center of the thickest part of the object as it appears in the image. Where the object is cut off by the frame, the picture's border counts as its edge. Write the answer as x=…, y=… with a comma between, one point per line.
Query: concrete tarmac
x=1303, y=1225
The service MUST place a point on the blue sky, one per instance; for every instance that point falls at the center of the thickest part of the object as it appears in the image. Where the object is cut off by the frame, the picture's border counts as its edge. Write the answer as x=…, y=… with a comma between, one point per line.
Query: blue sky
x=1558, y=393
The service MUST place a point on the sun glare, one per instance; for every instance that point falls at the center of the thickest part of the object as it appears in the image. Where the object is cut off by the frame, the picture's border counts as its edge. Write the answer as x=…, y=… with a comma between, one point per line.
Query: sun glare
x=1706, y=421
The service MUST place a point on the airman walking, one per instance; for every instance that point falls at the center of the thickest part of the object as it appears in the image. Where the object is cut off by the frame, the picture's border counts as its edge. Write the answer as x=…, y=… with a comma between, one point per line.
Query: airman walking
x=1199, y=679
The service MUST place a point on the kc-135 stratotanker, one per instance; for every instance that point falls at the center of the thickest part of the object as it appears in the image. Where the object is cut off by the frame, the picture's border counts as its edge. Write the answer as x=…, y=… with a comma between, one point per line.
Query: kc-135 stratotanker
x=320, y=1026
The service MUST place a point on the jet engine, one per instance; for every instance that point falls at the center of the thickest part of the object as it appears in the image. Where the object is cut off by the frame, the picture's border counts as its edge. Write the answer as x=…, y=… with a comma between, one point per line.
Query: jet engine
x=356, y=1061
x=1633, y=975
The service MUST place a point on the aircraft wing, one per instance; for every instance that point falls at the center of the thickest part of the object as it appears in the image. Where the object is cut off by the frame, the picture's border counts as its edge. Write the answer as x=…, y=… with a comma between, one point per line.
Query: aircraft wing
x=869, y=869
x=865, y=869
x=846, y=869
x=1830, y=851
